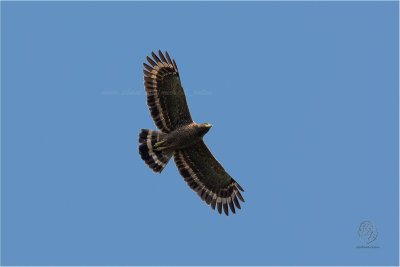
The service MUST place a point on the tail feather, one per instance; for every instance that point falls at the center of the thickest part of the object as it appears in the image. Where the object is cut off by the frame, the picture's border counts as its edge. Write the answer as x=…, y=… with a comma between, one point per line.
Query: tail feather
x=156, y=160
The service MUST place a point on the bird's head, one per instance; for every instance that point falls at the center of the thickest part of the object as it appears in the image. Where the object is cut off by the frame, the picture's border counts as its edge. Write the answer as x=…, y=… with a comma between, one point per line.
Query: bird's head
x=204, y=128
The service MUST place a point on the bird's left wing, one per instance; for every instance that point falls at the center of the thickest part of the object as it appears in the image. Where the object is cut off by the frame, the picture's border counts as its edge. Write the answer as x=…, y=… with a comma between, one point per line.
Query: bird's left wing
x=205, y=175
x=165, y=96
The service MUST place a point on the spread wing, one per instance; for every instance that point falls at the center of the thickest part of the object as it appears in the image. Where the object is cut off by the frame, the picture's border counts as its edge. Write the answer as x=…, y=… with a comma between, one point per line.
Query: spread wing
x=165, y=96
x=205, y=175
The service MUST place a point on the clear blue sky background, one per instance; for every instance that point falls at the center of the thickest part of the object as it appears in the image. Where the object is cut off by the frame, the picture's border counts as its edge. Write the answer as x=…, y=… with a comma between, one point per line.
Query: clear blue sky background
x=304, y=102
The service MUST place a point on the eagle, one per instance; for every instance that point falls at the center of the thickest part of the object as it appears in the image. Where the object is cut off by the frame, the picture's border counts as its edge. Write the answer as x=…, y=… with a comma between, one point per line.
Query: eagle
x=182, y=138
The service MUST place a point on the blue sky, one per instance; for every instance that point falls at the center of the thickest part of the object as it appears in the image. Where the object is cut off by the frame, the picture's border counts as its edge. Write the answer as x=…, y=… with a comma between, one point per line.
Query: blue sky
x=304, y=102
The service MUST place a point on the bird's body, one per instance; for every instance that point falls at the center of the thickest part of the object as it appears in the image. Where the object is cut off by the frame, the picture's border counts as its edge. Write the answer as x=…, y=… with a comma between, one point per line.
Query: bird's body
x=182, y=138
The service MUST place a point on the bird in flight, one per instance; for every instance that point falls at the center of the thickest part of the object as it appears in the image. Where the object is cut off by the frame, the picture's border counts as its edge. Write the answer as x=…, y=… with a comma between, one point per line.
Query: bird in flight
x=182, y=138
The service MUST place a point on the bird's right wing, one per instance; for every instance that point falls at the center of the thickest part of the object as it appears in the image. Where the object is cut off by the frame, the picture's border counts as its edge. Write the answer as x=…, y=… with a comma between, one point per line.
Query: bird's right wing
x=205, y=175
x=165, y=96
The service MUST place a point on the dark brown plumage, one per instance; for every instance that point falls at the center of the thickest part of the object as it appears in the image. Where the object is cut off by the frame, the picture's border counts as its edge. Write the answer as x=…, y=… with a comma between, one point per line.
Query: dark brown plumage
x=182, y=138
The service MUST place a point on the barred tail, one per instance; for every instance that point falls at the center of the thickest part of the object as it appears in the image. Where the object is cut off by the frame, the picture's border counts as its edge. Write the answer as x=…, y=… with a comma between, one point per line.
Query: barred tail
x=157, y=160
